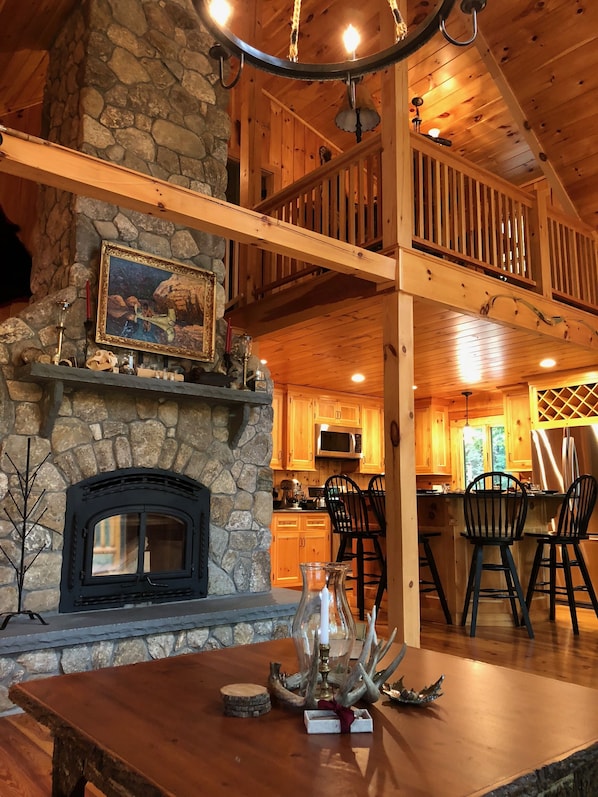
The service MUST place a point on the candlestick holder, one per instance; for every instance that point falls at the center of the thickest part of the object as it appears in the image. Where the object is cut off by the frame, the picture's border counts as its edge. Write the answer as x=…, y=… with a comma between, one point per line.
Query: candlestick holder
x=88, y=324
x=60, y=327
x=324, y=690
x=245, y=346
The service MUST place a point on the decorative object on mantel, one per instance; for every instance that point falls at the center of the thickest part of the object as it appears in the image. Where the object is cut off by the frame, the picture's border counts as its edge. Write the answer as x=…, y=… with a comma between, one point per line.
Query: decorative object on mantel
x=60, y=327
x=155, y=305
x=412, y=697
x=103, y=360
x=245, y=700
x=29, y=517
x=245, y=343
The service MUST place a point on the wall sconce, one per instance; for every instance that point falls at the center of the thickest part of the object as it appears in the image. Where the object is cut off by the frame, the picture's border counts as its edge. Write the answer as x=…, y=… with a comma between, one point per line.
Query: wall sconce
x=434, y=134
x=245, y=350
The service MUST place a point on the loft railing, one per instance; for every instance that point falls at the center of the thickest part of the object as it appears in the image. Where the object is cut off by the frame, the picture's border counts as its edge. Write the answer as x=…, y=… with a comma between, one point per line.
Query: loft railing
x=460, y=212
x=469, y=215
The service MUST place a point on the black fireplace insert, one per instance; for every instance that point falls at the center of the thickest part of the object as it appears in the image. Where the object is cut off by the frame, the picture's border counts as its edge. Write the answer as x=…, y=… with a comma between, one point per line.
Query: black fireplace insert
x=134, y=536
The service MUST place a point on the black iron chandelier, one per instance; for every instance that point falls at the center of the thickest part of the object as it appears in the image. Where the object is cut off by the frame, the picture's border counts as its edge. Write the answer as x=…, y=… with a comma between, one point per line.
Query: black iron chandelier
x=214, y=13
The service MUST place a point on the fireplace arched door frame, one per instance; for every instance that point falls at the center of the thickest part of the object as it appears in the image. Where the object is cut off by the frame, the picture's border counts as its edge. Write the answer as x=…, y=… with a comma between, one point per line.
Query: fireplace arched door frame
x=169, y=513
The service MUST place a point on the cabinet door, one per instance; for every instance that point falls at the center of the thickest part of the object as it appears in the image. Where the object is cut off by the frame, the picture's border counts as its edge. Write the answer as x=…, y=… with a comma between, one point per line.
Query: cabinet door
x=285, y=550
x=440, y=441
x=300, y=432
x=315, y=545
x=339, y=410
x=518, y=431
x=423, y=440
x=372, y=460
x=278, y=406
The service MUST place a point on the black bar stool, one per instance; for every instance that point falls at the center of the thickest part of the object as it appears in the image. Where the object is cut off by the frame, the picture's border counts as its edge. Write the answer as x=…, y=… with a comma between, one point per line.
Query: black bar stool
x=495, y=506
x=572, y=527
x=348, y=513
x=377, y=494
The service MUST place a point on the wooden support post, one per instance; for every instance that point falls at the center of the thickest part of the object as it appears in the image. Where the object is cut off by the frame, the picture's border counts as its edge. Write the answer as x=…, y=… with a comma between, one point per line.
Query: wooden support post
x=399, y=436
x=540, y=245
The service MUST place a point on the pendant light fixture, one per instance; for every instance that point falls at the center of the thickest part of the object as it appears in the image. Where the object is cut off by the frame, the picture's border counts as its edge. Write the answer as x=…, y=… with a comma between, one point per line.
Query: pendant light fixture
x=467, y=394
x=214, y=15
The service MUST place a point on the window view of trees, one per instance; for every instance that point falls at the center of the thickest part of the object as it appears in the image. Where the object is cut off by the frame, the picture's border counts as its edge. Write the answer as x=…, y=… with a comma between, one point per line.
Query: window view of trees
x=483, y=450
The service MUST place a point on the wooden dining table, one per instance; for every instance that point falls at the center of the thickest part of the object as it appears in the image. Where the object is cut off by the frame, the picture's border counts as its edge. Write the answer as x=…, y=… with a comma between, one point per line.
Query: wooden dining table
x=157, y=729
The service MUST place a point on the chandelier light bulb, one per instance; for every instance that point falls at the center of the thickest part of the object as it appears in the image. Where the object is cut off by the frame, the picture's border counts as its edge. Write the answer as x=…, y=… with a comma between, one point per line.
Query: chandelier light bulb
x=351, y=39
x=220, y=11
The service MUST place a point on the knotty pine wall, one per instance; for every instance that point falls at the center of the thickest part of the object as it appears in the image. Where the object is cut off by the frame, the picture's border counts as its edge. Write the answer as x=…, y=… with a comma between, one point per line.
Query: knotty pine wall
x=290, y=146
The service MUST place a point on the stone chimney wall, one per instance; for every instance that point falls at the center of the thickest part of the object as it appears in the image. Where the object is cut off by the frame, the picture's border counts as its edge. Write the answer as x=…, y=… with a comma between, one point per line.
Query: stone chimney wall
x=129, y=82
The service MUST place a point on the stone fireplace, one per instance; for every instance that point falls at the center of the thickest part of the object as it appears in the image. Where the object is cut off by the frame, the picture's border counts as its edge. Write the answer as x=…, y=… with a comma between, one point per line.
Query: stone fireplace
x=129, y=81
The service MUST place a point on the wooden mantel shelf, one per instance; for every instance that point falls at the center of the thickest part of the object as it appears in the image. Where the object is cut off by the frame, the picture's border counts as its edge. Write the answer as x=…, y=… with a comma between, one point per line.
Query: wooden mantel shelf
x=54, y=378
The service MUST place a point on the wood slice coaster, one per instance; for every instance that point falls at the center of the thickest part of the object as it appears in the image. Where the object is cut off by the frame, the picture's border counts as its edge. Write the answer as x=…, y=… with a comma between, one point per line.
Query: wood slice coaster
x=245, y=700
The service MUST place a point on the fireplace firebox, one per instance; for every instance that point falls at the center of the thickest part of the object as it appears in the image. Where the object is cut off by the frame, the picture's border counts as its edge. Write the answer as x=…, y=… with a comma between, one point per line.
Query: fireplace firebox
x=134, y=536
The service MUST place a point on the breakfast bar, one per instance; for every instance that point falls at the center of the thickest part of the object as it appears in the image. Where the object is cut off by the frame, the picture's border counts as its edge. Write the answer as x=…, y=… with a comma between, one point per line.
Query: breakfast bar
x=443, y=513
x=158, y=729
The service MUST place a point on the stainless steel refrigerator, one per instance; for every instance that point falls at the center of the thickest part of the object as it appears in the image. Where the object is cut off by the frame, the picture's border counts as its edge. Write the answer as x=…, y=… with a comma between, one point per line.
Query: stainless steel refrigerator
x=560, y=455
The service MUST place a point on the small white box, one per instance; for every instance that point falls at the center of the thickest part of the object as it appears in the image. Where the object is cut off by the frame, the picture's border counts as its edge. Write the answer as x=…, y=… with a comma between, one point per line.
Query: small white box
x=324, y=721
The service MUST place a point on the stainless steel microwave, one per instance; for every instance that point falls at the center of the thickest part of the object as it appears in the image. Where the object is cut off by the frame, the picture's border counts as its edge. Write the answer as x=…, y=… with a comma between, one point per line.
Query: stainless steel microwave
x=340, y=442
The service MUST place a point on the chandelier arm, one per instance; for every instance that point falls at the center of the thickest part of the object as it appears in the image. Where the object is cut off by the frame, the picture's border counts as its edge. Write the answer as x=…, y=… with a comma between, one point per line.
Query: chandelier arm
x=237, y=77
x=456, y=42
x=297, y=70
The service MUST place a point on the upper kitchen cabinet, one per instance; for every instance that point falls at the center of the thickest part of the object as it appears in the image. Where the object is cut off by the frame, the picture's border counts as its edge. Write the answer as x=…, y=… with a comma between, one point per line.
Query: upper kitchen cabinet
x=518, y=429
x=432, y=448
x=336, y=410
x=372, y=420
x=300, y=430
x=278, y=429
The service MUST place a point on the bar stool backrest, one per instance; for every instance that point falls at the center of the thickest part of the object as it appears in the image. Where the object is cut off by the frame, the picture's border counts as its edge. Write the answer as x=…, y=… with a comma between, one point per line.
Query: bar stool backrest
x=346, y=505
x=495, y=505
x=377, y=495
x=577, y=507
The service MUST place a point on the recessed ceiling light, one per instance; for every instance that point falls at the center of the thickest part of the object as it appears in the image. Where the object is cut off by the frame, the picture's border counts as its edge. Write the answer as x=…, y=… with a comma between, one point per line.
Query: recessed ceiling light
x=358, y=378
x=547, y=362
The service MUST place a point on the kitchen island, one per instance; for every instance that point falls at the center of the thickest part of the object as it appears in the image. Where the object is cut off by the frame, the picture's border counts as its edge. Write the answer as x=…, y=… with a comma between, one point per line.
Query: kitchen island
x=443, y=513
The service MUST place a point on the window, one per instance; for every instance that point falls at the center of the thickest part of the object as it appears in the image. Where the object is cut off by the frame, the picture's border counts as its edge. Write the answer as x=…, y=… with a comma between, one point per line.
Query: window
x=478, y=448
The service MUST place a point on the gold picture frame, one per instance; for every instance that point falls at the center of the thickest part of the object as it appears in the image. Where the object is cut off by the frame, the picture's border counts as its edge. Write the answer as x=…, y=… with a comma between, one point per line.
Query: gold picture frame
x=156, y=305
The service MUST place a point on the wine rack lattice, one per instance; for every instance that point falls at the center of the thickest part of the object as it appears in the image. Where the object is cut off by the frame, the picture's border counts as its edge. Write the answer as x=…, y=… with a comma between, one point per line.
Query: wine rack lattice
x=567, y=403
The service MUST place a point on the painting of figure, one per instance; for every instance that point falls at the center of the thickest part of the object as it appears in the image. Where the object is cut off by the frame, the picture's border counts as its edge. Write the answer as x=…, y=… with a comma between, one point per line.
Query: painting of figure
x=156, y=305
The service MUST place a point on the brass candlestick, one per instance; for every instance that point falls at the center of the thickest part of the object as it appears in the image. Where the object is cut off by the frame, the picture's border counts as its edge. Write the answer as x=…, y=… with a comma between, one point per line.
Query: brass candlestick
x=60, y=327
x=245, y=345
x=324, y=688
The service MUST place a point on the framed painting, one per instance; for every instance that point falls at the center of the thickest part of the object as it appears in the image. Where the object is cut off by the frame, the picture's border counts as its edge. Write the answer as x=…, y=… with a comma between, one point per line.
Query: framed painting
x=155, y=305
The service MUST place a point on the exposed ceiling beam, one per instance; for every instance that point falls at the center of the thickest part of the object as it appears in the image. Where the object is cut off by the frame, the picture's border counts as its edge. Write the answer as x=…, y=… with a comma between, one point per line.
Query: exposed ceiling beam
x=50, y=164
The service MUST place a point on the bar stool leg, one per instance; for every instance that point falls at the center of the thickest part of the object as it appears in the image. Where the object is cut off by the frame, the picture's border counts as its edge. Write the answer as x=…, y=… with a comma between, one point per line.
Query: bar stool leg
x=360, y=580
x=586, y=576
x=479, y=559
x=569, y=586
x=534, y=573
x=468, y=591
x=436, y=580
x=508, y=566
x=519, y=591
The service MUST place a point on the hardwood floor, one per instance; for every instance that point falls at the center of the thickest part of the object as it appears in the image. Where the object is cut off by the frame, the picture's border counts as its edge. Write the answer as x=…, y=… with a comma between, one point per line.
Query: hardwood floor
x=26, y=747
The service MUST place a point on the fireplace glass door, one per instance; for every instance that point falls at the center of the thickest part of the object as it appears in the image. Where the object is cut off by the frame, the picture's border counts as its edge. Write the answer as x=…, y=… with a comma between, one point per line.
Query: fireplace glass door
x=134, y=536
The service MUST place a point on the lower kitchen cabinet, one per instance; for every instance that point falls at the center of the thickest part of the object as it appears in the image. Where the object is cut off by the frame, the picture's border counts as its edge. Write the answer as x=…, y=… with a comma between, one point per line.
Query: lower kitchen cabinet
x=298, y=537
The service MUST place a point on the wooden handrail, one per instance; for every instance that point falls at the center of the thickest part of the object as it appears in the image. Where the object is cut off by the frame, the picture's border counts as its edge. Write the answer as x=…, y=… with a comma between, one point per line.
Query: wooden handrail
x=461, y=212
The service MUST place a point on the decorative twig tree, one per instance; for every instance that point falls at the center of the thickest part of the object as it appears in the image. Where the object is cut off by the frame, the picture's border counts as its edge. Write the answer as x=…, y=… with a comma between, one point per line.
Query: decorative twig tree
x=28, y=516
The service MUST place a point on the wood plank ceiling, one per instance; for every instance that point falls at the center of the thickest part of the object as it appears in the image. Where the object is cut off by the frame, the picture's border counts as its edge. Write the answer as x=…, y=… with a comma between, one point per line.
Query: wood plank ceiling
x=543, y=116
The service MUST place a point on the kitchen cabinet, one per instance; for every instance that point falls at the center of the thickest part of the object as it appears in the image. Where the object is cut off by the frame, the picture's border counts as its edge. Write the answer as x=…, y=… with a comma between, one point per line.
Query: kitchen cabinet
x=277, y=461
x=372, y=419
x=518, y=430
x=298, y=537
x=300, y=430
x=432, y=449
x=337, y=410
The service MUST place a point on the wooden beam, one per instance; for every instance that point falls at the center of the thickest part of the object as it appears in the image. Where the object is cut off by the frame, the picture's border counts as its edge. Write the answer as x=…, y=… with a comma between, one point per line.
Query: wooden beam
x=476, y=294
x=310, y=299
x=402, y=546
x=50, y=164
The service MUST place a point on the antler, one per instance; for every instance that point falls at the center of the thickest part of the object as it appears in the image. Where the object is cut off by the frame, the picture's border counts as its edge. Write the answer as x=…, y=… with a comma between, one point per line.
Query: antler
x=279, y=684
x=364, y=682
